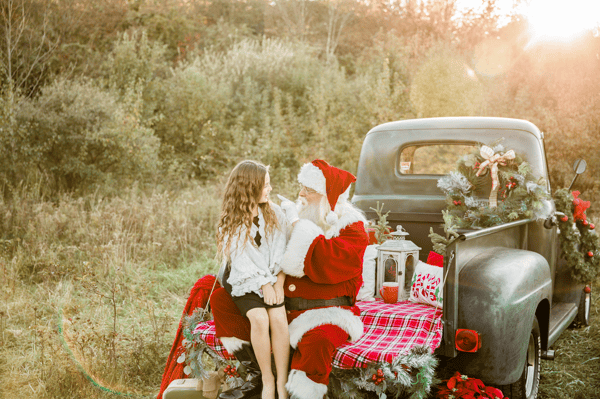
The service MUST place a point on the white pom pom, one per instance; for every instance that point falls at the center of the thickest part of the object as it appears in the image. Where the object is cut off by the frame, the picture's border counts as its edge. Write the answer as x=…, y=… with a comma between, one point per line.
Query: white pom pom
x=331, y=218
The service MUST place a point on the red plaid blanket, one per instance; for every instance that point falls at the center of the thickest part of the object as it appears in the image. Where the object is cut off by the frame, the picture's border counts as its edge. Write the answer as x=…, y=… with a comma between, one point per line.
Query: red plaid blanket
x=390, y=330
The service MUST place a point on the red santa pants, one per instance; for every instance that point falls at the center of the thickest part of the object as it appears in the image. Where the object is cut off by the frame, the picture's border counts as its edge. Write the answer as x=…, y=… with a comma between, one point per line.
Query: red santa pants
x=315, y=350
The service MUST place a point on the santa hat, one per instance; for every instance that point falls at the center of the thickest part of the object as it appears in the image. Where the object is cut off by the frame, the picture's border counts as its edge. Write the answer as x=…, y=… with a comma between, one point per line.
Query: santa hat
x=326, y=180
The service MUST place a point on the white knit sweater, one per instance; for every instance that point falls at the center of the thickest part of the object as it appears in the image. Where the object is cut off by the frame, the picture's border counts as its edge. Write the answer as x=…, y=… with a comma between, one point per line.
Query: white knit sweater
x=253, y=267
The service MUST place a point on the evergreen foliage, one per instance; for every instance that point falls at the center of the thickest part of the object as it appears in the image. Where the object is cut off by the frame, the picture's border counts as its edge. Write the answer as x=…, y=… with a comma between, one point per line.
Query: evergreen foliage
x=382, y=227
x=578, y=240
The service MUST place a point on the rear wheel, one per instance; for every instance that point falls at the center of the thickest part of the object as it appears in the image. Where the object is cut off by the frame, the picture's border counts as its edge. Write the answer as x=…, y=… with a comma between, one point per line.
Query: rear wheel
x=527, y=386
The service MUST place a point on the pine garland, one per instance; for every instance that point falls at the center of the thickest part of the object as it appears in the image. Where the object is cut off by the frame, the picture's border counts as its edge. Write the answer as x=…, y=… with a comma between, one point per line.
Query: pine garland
x=408, y=376
x=579, y=243
x=521, y=194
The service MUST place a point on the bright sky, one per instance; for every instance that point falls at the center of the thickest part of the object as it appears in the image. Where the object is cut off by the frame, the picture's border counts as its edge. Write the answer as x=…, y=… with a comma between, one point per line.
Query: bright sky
x=553, y=20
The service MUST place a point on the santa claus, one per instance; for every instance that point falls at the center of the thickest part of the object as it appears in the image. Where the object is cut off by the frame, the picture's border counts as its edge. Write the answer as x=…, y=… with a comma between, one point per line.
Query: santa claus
x=323, y=264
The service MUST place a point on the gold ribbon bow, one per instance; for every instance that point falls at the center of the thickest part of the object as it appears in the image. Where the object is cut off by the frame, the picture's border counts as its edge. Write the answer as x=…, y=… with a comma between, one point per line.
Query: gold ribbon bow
x=493, y=160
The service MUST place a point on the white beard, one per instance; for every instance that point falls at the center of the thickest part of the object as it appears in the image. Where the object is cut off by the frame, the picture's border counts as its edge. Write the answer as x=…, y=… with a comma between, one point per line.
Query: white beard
x=314, y=212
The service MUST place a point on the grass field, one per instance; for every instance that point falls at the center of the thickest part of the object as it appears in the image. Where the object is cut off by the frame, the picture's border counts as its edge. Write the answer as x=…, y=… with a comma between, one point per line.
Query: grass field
x=91, y=291
x=575, y=372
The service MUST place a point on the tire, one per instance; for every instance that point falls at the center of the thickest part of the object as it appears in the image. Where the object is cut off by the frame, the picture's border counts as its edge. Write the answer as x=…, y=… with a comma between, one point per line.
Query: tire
x=527, y=386
x=583, y=313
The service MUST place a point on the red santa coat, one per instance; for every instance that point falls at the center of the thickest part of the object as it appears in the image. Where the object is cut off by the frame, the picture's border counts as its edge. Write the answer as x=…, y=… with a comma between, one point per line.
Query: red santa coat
x=322, y=265
x=330, y=268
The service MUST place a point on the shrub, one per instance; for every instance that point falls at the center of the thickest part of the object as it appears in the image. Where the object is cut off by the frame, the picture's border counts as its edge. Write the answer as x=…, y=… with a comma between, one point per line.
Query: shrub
x=78, y=135
x=446, y=86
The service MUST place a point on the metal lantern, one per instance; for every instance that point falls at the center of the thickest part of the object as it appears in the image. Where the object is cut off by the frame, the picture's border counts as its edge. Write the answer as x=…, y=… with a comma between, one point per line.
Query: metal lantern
x=396, y=261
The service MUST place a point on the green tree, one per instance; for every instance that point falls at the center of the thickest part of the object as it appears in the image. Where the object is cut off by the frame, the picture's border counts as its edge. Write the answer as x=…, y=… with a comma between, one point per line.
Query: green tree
x=446, y=86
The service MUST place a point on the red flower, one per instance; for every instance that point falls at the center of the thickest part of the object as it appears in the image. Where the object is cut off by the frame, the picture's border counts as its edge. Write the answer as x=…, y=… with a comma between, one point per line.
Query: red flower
x=462, y=387
x=494, y=393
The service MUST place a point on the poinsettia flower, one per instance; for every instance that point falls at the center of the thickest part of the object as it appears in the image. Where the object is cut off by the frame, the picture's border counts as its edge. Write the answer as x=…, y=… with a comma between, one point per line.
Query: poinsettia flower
x=453, y=380
x=494, y=393
x=475, y=385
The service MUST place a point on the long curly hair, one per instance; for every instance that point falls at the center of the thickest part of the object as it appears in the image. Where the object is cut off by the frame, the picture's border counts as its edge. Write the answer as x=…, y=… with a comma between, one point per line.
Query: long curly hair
x=242, y=193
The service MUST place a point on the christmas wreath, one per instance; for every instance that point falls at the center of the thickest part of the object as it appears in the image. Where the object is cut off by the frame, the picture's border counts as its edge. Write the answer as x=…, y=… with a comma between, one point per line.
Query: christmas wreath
x=579, y=243
x=516, y=193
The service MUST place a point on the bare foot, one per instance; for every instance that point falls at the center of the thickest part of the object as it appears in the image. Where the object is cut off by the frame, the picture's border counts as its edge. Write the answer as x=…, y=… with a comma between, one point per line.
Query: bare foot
x=268, y=391
x=281, y=391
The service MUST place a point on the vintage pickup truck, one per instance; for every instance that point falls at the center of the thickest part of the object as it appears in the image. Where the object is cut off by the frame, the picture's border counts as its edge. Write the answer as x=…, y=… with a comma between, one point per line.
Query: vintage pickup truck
x=506, y=285
x=508, y=294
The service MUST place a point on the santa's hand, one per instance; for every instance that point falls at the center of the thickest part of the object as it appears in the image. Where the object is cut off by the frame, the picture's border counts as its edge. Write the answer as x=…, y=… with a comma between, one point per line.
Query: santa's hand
x=289, y=208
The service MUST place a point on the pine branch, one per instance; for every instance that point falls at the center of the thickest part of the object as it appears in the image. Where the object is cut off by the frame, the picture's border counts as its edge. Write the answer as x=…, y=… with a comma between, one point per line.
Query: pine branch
x=440, y=243
x=382, y=228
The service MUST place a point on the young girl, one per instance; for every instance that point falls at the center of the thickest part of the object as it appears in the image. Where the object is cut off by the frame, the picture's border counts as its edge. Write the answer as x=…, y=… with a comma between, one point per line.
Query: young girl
x=251, y=239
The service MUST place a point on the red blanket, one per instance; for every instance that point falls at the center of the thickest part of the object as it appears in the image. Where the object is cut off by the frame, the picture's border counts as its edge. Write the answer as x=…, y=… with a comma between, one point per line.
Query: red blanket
x=390, y=330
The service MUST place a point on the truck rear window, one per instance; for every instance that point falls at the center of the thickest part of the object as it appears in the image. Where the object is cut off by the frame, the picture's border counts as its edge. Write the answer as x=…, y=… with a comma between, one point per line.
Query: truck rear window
x=431, y=159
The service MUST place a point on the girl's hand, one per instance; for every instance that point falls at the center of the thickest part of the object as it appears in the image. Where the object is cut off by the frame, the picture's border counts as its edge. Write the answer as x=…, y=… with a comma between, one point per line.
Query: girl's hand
x=269, y=294
x=279, y=291
x=279, y=295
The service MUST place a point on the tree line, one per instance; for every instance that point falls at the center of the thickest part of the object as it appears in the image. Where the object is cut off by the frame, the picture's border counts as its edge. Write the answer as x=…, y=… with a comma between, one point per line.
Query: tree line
x=112, y=92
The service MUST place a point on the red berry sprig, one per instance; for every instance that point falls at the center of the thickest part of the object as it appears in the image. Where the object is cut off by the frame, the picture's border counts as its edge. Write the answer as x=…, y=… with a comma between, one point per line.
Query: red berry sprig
x=457, y=202
x=564, y=218
x=592, y=226
x=231, y=371
x=590, y=254
x=378, y=377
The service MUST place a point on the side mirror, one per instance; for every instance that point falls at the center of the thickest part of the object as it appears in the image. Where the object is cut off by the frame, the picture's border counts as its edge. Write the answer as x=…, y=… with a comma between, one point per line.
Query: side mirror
x=578, y=167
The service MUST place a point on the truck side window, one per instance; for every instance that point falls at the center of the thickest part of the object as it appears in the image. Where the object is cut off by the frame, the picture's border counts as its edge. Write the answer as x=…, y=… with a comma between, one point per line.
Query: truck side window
x=431, y=159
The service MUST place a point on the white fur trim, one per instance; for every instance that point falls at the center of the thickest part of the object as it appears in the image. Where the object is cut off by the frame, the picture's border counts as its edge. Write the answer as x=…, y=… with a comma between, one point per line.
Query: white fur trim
x=331, y=218
x=303, y=235
x=312, y=177
x=310, y=319
x=233, y=344
x=299, y=386
x=348, y=214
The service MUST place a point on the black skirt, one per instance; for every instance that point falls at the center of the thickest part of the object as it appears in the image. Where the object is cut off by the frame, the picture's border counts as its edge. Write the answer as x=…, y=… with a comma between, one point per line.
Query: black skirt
x=247, y=301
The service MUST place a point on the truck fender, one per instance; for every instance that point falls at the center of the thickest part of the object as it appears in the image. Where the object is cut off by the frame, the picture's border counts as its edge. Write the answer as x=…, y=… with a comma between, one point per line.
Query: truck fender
x=498, y=296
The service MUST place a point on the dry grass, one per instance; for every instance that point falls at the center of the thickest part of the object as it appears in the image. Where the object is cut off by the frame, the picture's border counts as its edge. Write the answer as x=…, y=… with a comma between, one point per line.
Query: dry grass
x=119, y=271
x=575, y=372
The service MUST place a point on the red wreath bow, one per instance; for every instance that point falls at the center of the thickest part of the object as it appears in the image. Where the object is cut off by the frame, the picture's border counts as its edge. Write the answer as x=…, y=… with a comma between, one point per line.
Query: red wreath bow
x=580, y=207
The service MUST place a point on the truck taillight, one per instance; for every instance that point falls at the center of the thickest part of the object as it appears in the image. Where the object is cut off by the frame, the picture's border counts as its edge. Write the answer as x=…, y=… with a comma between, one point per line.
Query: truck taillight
x=467, y=340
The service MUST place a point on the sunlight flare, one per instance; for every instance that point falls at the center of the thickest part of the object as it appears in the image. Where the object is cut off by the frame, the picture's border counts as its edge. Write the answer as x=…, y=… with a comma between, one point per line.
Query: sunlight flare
x=554, y=20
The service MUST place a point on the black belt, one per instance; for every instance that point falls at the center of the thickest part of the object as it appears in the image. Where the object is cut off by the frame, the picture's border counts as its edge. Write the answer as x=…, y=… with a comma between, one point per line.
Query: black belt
x=303, y=304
